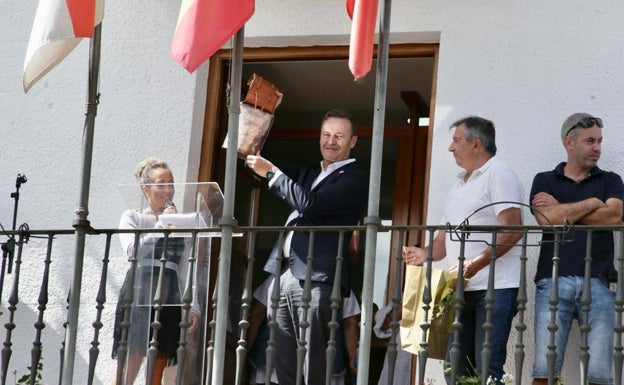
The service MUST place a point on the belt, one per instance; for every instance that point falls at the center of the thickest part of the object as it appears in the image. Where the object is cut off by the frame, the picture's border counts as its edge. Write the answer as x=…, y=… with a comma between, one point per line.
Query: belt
x=156, y=263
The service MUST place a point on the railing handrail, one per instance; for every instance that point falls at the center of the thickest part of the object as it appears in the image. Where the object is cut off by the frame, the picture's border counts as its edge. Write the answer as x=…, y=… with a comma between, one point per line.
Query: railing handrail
x=381, y=227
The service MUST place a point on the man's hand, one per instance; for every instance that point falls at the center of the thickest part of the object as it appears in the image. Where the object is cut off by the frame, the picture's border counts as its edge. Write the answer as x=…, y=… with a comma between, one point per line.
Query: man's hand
x=414, y=255
x=543, y=199
x=194, y=320
x=259, y=165
x=471, y=266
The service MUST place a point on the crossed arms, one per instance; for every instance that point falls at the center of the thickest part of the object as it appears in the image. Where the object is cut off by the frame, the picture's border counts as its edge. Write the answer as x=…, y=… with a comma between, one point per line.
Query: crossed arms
x=590, y=211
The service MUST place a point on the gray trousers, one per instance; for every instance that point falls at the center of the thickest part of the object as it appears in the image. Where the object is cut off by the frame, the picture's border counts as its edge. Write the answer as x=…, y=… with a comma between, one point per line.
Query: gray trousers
x=288, y=336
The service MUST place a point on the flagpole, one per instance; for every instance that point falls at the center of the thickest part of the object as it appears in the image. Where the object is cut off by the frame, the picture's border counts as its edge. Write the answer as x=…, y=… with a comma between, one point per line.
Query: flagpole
x=372, y=221
x=80, y=223
x=228, y=222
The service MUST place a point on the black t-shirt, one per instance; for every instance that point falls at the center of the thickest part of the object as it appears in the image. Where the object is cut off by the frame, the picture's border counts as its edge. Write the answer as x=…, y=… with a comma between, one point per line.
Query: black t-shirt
x=600, y=184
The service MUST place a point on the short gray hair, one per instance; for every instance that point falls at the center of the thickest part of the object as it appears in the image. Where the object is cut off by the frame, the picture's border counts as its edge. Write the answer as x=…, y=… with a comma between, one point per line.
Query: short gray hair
x=479, y=128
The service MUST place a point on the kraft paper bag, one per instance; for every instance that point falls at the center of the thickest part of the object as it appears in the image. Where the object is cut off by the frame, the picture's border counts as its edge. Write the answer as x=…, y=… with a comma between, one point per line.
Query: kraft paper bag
x=440, y=316
x=253, y=129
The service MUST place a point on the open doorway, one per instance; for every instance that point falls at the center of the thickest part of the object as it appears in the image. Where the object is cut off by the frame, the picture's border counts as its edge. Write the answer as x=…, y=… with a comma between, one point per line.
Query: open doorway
x=315, y=80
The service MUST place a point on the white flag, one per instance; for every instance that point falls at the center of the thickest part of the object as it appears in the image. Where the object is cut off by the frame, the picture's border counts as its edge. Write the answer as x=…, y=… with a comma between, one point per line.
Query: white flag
x=58, y=28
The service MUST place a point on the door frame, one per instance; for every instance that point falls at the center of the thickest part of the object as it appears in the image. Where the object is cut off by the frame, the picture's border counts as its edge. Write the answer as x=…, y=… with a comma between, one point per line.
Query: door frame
x=414, y=211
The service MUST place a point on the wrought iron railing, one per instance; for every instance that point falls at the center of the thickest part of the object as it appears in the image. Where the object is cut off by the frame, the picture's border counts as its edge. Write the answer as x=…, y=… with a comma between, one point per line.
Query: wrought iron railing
x=33, y=310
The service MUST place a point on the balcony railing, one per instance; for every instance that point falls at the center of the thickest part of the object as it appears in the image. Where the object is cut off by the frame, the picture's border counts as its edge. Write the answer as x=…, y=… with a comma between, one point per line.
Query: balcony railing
x=34, y=294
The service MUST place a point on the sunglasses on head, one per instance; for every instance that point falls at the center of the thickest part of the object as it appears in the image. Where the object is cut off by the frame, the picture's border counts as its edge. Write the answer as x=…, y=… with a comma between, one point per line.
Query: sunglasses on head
x=586, y=123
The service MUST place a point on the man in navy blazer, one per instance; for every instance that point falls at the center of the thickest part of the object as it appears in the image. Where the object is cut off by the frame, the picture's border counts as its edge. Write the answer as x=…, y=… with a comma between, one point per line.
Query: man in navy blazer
x=333, y=193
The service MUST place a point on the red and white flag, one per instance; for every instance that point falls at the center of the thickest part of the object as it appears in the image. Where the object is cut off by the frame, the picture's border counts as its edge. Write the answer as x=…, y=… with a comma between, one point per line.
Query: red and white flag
x=58, y=28
x=204, y=26
x=364, y=16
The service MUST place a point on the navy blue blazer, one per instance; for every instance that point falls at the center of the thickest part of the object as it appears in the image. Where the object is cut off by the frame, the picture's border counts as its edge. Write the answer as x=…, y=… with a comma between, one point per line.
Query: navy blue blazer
x=338, y=200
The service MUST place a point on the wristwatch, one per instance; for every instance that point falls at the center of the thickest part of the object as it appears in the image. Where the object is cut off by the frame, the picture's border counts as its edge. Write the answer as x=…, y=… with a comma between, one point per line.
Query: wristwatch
x=271, y=173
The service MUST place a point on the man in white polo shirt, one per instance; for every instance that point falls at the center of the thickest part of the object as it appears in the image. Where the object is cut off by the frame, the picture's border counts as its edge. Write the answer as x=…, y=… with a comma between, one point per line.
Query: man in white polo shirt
x=486, y=179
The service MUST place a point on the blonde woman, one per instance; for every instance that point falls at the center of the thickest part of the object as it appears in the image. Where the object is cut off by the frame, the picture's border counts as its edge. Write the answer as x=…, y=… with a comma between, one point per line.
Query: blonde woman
x=156, y=182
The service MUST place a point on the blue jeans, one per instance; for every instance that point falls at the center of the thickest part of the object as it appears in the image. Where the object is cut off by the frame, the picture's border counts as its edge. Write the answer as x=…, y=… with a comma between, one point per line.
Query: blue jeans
x=601, y=321
x=472, y=334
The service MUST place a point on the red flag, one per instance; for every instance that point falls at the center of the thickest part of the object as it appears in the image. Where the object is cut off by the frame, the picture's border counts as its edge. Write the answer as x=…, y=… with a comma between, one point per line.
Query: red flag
x=204, y=26
x=364, y=15
x=350, y=5
x=58, y=28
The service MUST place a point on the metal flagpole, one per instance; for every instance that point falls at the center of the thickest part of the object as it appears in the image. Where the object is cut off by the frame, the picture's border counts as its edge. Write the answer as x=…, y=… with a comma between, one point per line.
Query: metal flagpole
x=80, y=223
x=372, y=220
x=228, y=222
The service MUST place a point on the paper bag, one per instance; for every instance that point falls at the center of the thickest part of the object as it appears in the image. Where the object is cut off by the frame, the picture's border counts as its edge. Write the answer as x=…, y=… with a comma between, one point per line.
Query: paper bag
x=253, y=129
x=440, y=316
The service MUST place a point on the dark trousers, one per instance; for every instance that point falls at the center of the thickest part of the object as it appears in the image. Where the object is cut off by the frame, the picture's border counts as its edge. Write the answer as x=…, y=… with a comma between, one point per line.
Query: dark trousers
x=472, y=334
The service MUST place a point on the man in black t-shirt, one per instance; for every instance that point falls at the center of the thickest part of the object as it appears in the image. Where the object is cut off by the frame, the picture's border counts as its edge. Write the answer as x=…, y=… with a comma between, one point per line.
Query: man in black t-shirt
x=579, y=192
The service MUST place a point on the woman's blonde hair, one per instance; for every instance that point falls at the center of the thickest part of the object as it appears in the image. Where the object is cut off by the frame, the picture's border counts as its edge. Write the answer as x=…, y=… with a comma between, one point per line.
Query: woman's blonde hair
x=145, y=168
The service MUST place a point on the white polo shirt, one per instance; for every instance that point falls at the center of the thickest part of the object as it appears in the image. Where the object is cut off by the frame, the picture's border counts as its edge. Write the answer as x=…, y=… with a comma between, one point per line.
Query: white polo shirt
x=493, y=182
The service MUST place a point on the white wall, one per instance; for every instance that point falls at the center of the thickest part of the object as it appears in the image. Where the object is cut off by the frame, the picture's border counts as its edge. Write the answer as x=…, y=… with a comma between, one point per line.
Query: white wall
x=525, y=65
x=148, y=108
